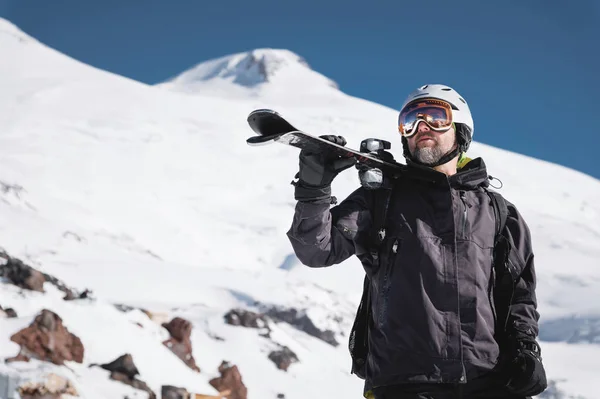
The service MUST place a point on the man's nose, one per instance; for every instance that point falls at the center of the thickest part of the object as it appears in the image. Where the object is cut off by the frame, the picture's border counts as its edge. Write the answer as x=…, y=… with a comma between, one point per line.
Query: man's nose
x=423, y=127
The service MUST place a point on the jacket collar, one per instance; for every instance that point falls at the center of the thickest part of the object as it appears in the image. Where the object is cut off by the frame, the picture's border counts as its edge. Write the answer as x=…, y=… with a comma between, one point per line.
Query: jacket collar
x=472, y=175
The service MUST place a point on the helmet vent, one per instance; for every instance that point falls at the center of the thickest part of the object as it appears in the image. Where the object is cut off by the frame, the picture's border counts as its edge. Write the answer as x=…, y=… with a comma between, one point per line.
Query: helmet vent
x=447, y=89
x=461, y=99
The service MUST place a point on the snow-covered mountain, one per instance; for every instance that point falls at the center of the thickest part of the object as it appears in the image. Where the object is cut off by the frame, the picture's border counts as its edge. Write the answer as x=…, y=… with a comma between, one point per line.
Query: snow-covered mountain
x=258, y=72
x=150, y=197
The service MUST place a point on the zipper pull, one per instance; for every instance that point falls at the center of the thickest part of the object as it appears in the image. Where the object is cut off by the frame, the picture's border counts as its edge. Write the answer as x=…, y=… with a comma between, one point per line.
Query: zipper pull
x=463, y=197
x=395, y=246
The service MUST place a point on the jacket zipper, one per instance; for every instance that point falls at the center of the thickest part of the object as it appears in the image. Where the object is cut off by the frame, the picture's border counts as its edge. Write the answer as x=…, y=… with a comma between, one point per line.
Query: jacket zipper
x=491, y=293
x=463, y=377
x=385, y=284
x=464, y=221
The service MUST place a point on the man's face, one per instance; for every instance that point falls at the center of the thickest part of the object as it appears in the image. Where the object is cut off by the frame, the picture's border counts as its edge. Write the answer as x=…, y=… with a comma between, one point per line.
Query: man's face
x=428, y=146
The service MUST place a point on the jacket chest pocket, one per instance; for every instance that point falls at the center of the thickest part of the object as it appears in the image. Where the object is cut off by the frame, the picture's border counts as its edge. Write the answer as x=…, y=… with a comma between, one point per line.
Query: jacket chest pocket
x=390, y=250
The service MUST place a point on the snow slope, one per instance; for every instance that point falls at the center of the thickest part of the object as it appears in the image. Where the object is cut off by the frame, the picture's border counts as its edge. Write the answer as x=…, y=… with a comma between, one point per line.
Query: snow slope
x=121, y=187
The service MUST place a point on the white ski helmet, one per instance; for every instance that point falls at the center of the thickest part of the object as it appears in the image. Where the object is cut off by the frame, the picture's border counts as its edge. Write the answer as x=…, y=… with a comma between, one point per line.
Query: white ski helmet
x=461, y=114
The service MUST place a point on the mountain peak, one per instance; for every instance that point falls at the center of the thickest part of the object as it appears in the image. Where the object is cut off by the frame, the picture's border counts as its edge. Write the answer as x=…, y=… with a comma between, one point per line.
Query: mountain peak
x=257, y=66
x=253, y=70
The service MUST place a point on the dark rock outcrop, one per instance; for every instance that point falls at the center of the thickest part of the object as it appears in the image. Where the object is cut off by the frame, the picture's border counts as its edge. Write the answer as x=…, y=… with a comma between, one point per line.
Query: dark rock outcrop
x=180, y=343
x=124, y=370
x=231, y=380
x=172, y=392
x=283, y=358
x=24, y=276
x=123, y=365
x=47, y=339
x=179, y=329
x=121, y=307
x=246, y=318
x=8, y=312
x=302, y=322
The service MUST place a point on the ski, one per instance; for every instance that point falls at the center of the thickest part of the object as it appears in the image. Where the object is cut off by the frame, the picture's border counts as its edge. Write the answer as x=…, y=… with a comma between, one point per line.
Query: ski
x=271, y=127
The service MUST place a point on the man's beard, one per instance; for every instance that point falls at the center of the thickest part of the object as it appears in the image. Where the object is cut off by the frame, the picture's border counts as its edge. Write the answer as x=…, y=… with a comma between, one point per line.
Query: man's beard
x=431, y=155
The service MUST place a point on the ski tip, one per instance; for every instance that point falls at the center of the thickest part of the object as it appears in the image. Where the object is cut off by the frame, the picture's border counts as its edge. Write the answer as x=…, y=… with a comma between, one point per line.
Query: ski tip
x=258, y=117
x=261, y=112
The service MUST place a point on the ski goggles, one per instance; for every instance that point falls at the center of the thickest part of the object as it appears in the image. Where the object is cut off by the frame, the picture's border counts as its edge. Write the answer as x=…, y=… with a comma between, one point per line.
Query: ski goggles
x=436, y=114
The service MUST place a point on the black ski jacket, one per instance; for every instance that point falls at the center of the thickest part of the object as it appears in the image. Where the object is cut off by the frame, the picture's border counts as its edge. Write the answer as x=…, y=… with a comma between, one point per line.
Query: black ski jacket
x=433, y=317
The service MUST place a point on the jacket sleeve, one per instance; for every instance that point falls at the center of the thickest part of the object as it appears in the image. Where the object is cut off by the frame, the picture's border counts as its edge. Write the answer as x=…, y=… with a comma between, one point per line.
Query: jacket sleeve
x=322, y=236
x=523, y=314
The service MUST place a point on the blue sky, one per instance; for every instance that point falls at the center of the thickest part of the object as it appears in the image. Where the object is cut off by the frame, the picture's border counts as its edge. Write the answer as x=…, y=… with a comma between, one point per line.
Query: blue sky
x=529, y=68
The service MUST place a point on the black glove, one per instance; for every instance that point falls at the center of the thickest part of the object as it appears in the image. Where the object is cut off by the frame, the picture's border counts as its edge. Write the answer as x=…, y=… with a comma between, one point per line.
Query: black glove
x=317, y=171
x=526, y=372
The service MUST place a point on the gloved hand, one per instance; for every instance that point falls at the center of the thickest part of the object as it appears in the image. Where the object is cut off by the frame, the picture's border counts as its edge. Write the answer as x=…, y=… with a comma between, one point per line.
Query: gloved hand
x=317, y=171
x=527, y=376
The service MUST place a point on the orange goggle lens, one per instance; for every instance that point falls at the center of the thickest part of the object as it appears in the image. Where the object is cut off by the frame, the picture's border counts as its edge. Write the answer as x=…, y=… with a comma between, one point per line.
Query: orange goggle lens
x=436, y=114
